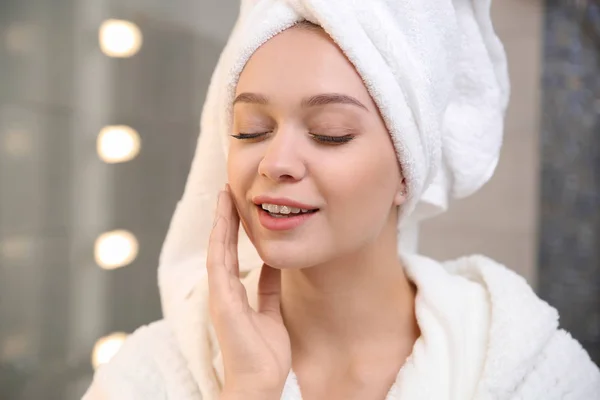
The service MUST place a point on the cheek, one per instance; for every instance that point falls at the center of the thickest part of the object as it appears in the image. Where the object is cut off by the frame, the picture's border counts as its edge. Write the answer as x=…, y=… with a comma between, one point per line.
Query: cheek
x=236, y=167
x=241, y=172
x=242, y=165
x=360, y=188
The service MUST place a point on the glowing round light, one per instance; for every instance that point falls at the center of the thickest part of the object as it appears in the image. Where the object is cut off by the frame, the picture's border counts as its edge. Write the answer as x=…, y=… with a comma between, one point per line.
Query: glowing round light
x=118, y=143
x=115, y=249
x=106, y=348
x=120, y=38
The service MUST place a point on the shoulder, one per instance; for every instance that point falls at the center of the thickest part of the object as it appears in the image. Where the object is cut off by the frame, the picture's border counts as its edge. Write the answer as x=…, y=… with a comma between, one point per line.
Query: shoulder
x=506, y=288
x=481, y=268
x=563, y=370
x=148, y=366
x=529, y=356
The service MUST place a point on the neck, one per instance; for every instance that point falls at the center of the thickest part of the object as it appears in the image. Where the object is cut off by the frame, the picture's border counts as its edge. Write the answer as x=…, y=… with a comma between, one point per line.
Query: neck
x=361, y=305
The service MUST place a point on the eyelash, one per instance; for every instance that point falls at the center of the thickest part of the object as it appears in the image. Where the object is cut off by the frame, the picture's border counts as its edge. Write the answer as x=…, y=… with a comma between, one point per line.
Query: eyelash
x=323, y=139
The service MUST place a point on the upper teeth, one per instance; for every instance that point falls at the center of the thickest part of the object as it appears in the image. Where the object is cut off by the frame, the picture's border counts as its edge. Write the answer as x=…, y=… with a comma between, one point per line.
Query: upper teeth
x=276, y=209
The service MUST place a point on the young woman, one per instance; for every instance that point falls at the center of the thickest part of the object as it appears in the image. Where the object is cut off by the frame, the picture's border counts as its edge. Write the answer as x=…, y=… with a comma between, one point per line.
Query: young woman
x=328, y=168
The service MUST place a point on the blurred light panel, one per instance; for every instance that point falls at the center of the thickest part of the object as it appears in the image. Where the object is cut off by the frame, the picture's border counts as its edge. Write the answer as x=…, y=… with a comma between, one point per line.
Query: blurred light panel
x=115, y=249
x=16, y=248
x=14, y=347
x=17, y=143
x=120, y=38
x=118, y=143
x=20, y=37
x=106, y=348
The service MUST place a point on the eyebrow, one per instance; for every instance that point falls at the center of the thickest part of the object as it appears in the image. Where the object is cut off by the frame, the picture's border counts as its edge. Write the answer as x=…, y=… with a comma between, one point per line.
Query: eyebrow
x=251, y=98
x=313, y=101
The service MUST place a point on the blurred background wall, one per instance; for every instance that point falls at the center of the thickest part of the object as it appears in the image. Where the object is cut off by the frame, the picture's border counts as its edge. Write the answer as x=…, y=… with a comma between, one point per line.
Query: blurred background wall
x=98, y=123
x=569, y=251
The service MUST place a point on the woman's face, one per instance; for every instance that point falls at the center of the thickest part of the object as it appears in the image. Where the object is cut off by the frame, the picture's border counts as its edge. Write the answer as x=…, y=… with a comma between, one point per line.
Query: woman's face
x=310, y=134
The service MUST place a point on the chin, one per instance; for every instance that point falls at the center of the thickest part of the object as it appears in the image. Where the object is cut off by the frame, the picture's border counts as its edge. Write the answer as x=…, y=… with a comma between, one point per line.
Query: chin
x=286, y=255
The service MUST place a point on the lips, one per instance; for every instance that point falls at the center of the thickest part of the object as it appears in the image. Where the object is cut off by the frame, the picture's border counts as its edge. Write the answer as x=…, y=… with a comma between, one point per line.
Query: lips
x=282, y=201
x=287, y=220
x=278, y=222
x=283, y=210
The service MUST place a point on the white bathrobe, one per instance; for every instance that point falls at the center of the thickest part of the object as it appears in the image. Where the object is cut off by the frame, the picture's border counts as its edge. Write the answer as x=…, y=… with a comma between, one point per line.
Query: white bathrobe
x=484, y=335
x=437, y=72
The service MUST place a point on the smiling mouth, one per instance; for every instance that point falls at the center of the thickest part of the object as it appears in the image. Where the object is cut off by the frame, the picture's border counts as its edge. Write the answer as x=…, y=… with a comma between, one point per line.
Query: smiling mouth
x=284, y=211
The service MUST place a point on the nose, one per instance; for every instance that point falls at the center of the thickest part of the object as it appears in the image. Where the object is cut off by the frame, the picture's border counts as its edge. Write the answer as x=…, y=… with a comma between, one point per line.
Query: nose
x=283, y=161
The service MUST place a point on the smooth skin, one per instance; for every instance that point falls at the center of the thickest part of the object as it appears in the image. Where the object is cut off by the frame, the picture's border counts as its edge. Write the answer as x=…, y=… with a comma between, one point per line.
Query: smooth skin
x=333, y=293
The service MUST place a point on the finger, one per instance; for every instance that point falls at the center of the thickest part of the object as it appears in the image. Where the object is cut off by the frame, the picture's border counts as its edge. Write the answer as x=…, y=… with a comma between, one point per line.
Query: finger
x=233, y=227
x=218, y=276
x=269, y=291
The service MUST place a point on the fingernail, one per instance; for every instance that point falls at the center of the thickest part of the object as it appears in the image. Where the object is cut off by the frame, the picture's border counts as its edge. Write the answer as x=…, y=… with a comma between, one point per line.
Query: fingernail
x=215, y=221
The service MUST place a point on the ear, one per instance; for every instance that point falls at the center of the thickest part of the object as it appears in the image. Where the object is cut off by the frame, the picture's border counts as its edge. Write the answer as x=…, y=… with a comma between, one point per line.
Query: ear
x=400, y=196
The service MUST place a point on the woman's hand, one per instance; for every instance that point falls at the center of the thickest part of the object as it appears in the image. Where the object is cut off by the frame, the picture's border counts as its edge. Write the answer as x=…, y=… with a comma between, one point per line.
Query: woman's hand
x=255, y=344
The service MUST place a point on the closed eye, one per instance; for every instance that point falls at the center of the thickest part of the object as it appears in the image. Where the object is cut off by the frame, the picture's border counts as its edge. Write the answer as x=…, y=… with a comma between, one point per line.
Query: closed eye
x=243, y=136
x=323, y=139
x=332, y=139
